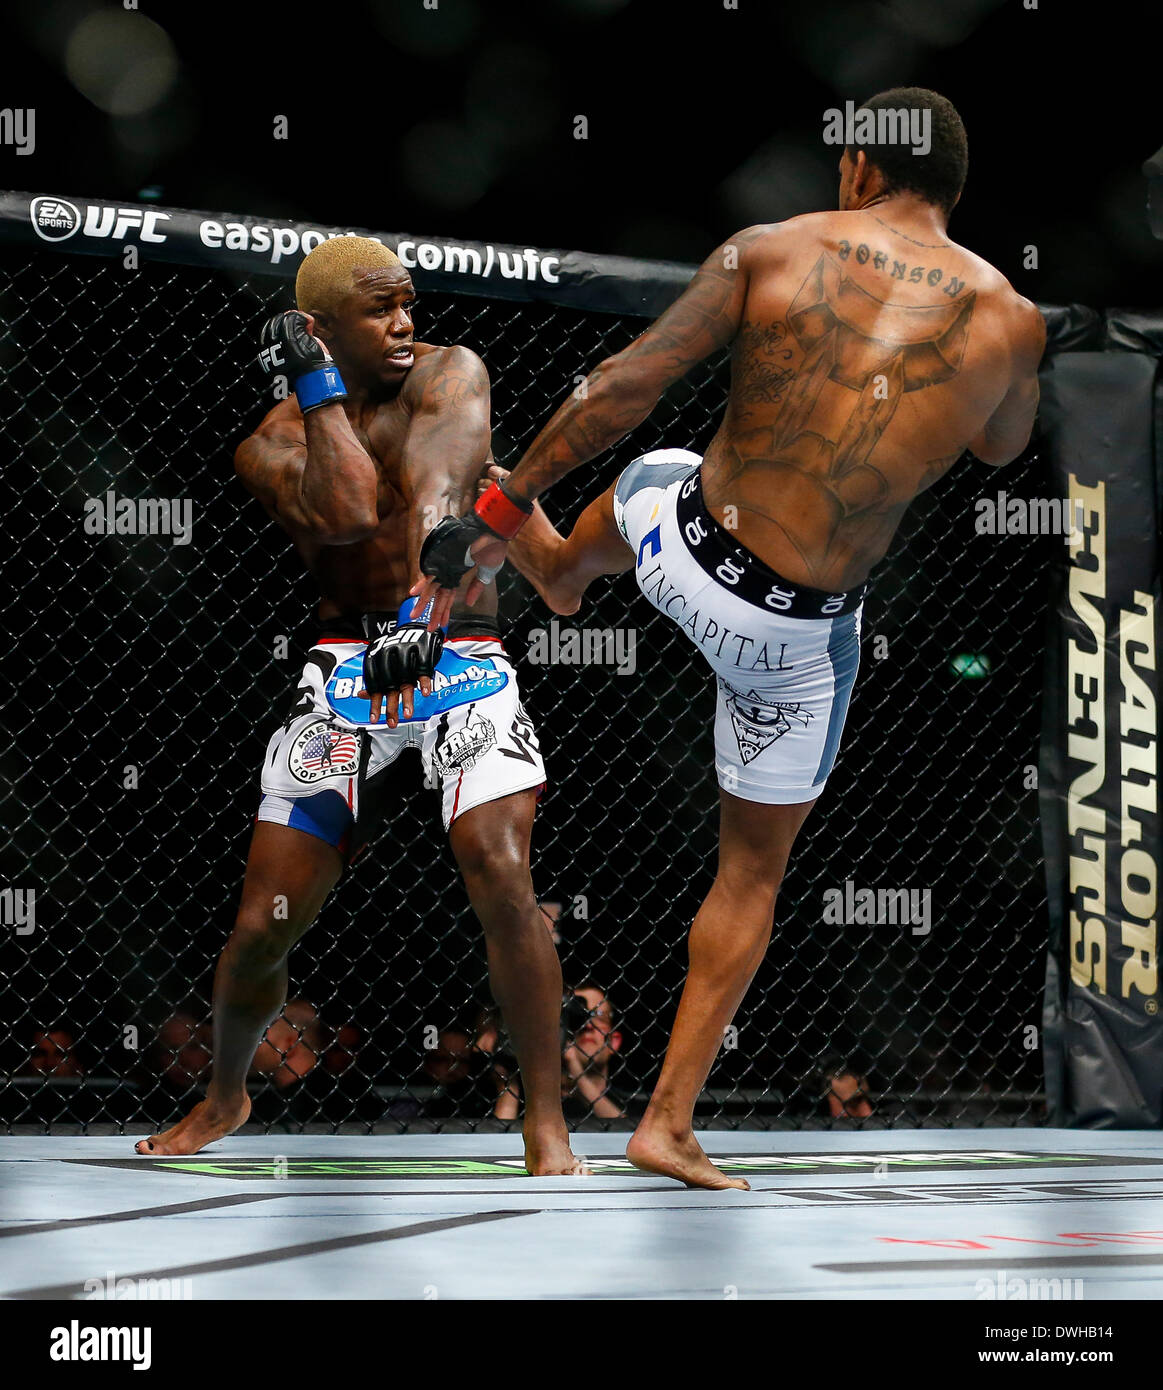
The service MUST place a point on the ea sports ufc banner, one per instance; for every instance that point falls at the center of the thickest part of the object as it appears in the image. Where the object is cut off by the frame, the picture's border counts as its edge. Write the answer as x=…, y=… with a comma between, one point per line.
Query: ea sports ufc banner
x=1099, y=765
x=234, y=242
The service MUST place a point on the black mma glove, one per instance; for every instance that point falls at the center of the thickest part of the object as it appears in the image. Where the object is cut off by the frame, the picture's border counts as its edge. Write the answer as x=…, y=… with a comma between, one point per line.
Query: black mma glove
x=445, y=557
x=288, y=348
x=401, y=658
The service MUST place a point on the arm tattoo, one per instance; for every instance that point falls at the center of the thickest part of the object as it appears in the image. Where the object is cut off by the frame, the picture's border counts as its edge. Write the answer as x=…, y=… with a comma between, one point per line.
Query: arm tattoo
x=620, y=393
x=447, y=442
x=451, y=386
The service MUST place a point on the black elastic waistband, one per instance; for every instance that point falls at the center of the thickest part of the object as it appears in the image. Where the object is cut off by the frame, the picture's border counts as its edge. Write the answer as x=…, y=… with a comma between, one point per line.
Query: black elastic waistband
x=359, y=627
x=464, y=626
x=734, y=567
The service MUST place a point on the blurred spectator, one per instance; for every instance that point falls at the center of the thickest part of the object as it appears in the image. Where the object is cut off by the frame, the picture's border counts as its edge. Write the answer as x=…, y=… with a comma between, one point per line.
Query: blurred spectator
x=847, y=1092
x=447, y=1064
x=343, y=1053
x=490, y=1042
x=467, y=1076
x=180, y=1055
x=508, y=1102
x=53, y=1055
x=486, y=1030
x=292, y=1045
x=552, y=912
x=589, y=1041
x=590, y=1045
x=311, y=1074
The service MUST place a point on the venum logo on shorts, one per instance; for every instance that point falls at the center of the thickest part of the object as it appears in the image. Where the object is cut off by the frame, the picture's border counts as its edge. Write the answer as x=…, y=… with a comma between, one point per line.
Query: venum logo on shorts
x=758, y=724
x=53, y=219
x=321, y=750
x=461, y=750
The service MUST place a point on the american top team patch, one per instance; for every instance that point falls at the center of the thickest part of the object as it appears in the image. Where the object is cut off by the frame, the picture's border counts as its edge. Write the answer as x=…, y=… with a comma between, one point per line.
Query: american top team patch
x=322, y=750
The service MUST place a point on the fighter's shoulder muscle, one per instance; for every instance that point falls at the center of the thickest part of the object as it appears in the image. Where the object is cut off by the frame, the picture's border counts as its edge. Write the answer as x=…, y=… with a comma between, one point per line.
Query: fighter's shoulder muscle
x=770, y=247
x=1027, y=331
x=779, y=237
x=444, y=375
x=1020, y=318
x=759, y=244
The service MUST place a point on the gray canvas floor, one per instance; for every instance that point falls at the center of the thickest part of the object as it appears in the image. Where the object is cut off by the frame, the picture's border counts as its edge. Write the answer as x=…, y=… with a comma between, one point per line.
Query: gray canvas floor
x=967, y=1214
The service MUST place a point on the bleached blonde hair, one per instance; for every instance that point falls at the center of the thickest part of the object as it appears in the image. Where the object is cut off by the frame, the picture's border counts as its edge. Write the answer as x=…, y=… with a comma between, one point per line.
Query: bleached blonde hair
x=327, y=275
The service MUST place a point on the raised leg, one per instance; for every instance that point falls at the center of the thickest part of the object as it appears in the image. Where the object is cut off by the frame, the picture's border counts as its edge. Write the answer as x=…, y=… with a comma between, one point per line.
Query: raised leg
x=561, y=567
x=727, y=943
x=288, y=876
x=491, y=844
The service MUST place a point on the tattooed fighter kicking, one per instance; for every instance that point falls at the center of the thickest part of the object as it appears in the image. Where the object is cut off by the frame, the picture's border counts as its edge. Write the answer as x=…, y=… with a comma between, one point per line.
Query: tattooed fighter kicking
x=868, y=352
x=382, y=436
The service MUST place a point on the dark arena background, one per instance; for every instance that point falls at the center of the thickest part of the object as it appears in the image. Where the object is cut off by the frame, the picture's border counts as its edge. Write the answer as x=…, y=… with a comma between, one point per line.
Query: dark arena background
x=551, y=174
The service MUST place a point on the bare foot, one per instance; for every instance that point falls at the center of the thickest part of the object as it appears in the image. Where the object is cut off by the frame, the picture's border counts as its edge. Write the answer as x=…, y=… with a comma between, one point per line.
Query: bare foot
x=655, y=1151
x=532, y=554
x=549, y=1155
x=202, y=1126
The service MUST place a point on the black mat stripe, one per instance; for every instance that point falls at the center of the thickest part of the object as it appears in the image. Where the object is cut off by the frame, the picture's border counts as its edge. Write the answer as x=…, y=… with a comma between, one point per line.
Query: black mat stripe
x=994, y=1262
x=134, y=1214
x=283, y=1252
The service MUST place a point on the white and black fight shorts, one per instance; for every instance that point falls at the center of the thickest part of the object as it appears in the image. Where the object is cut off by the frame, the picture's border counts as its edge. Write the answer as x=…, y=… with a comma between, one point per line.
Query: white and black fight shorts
x=785, y=656
x=327, y=767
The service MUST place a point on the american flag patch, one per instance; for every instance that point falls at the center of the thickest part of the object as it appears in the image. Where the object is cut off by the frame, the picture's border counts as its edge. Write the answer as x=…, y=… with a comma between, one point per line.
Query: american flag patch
x=323, y=750
x=328, y=748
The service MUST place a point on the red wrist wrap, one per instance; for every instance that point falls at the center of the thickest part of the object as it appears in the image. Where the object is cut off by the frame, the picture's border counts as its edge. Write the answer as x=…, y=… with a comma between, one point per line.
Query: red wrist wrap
x=501, y=514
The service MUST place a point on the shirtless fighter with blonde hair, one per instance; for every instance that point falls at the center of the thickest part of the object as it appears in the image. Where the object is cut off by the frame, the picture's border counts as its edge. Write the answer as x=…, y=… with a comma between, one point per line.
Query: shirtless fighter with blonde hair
x=382, y=436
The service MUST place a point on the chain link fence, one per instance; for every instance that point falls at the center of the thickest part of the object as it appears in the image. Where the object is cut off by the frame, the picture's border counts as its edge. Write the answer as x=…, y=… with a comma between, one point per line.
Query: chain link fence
x=145, y=673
